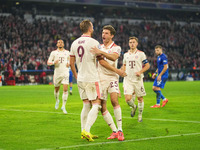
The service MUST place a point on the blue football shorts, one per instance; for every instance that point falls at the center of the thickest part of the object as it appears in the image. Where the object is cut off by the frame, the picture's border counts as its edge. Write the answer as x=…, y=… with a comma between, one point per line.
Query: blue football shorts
x=161, y=83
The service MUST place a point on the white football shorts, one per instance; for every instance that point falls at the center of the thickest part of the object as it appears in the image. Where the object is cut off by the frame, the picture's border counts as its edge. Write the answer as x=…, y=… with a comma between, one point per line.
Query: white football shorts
x=131, y=87
x=89, y=90
x=109, y=87
x=62, y=79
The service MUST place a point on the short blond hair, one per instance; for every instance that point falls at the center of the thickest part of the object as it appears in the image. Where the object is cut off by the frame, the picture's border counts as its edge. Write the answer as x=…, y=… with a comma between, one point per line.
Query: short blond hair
x=133, y=38
x=85, y=25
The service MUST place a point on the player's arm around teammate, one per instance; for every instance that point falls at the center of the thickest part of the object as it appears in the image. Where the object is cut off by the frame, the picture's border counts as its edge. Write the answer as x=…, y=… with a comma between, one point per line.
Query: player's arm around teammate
x=109, y=79
x=105, y=64
x=113, y=56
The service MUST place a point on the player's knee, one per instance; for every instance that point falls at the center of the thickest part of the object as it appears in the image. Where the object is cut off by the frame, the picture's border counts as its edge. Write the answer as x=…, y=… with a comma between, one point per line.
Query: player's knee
x=65, y=91
x=103, y=108
x=128, y=99
x=115, y=103
x=57, y=89
x=140, y=99
x=154, y=88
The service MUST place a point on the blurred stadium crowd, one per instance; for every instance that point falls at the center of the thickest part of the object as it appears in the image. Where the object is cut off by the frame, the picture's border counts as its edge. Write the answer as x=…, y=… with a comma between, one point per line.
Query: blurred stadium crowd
x=26, y=46
x=176, y=1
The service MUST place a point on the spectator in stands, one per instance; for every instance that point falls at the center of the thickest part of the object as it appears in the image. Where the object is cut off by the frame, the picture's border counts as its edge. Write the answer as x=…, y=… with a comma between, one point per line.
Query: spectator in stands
x=29, y=43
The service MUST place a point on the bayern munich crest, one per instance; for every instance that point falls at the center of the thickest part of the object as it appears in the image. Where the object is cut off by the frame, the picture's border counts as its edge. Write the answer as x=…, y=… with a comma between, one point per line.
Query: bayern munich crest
x=136, y=57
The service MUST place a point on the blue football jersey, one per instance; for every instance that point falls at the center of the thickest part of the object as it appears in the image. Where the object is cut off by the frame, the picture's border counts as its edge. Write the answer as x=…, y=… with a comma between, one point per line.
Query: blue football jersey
x=161, y=61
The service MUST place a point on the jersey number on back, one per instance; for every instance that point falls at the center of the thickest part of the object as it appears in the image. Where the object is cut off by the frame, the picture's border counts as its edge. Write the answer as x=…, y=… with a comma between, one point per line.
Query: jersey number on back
x=80, y=51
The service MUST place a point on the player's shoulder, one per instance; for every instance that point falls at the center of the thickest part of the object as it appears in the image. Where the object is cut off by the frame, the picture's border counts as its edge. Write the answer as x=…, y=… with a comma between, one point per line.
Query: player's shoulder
x=163, y=55
x=115, y=46
x=139, y=51
x=127, y=53
x=75, y=41
x=93, y=40
x=66, y=51
x=54, y=51
x=87, y=39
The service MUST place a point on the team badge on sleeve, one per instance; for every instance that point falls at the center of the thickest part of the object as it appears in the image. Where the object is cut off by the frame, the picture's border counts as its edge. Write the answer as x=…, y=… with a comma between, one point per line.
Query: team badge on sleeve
x=164, y=61
x=99, y=46
x=118, y=51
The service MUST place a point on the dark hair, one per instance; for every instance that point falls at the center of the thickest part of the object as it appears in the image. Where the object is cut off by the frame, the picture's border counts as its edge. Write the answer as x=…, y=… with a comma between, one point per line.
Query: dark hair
x=84, y=25
x=158, y=46
x=110, y=28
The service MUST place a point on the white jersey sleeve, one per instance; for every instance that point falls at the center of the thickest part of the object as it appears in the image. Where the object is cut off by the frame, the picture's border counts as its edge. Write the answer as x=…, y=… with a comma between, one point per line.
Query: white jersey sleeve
x=143, y=57
x=124, y=59
x=117, y=50
x=51, y=58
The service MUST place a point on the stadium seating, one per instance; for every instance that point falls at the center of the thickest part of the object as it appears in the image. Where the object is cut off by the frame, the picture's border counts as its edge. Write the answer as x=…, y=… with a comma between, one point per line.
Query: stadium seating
x=28, y=39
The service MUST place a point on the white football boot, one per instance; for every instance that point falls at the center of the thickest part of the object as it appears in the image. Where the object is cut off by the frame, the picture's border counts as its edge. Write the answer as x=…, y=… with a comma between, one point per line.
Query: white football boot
x=57, y=104
x=64, y=110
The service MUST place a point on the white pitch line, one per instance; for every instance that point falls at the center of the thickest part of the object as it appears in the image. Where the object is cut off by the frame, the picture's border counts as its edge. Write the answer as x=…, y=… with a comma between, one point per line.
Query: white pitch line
x=117, y=142
x=166, y=120
x=51, y=112
x=33, y=111
x=173, y=120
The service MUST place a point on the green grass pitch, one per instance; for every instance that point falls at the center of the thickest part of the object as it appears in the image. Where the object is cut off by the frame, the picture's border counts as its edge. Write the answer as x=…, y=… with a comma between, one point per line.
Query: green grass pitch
x=28, y=120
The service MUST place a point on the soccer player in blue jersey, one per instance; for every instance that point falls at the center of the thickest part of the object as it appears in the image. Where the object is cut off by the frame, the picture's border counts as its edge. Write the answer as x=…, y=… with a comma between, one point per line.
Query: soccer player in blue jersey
x=161, y=78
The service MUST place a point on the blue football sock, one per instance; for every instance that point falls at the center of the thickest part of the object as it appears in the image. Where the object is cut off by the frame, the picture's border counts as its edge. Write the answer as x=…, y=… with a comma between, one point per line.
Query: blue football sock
x=162, y=96
x=158, y=96
x=70, y=88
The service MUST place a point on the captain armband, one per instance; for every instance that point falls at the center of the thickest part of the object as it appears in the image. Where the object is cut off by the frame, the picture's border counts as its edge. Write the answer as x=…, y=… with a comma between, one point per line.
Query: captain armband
x=145, y=61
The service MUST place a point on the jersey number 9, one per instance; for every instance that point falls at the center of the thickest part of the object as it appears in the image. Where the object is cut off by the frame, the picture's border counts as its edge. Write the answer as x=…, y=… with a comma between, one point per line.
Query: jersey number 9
x=80, y=51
